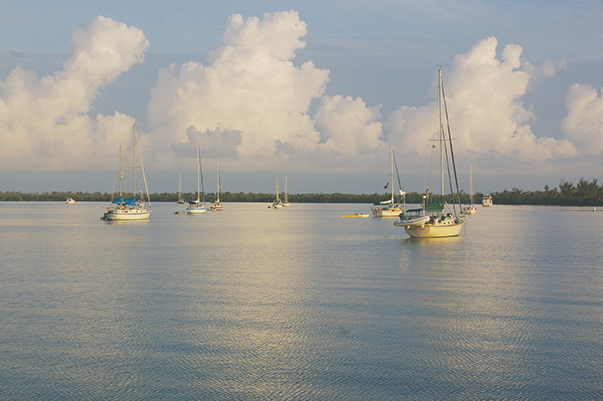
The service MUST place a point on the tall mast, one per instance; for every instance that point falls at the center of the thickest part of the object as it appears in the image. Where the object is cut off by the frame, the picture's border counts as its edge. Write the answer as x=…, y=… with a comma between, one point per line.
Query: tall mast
x=392, y=163
x=277, y=185
x=218, y=181
x=441, y=131
x=286, y=197
x=470, y=184
x=134, y=160
x=198, y=172
x=121, y=173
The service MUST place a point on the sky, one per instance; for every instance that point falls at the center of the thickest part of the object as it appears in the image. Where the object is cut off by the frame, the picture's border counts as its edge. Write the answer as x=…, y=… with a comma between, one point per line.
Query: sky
x=316, y=90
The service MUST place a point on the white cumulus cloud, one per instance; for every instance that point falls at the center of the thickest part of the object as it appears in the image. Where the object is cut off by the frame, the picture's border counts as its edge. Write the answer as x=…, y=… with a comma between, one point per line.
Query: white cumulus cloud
x=584, y=122
x=252, y=102
x=348, y=125
x=43, y=120
x=484, y=95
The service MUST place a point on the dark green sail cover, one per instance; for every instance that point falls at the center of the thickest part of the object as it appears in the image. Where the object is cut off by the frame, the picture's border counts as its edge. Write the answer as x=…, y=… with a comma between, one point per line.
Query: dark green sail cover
x=434, y=207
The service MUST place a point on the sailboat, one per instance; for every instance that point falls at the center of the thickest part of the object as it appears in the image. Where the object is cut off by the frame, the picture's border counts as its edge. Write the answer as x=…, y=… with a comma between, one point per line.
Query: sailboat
x=437, y=218
x=388, y=208
x=180, y=199
x=286, y=201
x=197, y=206
x=277, y=203
x=217, y=205
x=470, y=209
x=123, y=209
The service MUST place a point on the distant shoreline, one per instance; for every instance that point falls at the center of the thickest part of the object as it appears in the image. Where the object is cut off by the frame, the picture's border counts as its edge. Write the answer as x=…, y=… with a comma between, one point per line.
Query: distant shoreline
x=584, y=193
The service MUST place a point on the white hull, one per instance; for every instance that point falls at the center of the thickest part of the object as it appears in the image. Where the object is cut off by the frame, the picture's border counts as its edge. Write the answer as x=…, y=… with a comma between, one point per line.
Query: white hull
x=127, y=214
x=215, y=207
x=196, y=210
x=386, y=211
x=434, y=231
x=412, y=221
x=470, y=210
x=277, y=206
x=286, y=204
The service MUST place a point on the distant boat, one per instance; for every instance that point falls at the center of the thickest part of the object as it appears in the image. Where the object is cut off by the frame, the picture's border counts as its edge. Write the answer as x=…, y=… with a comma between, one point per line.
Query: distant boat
x=470, y=209
x=197, y=206
x=388, y=208
x=487, y=200
x=180, y=199
x=277, y=203
x=286, y=200
x=356, y=215
x=123, y=209
x=432, y=220
x=70, y=201
x=217, y=205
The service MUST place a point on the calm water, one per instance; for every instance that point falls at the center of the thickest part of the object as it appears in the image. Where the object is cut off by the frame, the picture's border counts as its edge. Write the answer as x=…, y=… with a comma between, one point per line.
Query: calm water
x=298, y=304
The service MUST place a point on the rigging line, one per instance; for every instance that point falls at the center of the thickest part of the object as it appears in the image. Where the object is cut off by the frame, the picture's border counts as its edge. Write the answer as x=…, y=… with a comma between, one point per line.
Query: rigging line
x=397, y=173
x=201, y=171
x=451, y=151
x=142, y=169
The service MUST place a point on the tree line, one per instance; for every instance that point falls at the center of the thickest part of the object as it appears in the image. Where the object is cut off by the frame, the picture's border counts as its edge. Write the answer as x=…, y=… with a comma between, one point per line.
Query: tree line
x=584, y=193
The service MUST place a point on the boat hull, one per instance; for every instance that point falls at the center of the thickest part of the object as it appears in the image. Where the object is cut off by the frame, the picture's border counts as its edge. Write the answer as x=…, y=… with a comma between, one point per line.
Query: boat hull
x=434, y=231
x=412, y=221
x=197, y=210
x=470, y=210
x=215, y=207
x=386, y=211
x=127, y=215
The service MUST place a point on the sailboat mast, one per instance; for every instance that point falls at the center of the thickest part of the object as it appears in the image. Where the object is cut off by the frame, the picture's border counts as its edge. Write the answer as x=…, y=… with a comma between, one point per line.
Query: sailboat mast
x=134, y=161
x=286, y=197
x=277, y=185
x=391, y=149
x=470, y=184
x=441, y=131
x=218, y=181
x=198, y=173
x=121, y=174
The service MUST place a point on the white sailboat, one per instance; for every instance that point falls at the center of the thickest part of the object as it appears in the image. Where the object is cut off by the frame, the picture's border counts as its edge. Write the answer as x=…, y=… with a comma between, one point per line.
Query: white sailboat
x=70, y=201
x=437, y=219
x=286, y=200
x=217, y=205
x=470, y=209
x=388, y=208
x=197, y=206
x=277, y=203
x=122, y=209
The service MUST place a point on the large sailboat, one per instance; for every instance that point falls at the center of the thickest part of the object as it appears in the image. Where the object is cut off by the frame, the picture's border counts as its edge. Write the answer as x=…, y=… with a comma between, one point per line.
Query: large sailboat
x=437, y=218
x=388, y=208
x=123, y=209
x=470, y=208
x=217, y=205
x=197, y=206
x=277, y=203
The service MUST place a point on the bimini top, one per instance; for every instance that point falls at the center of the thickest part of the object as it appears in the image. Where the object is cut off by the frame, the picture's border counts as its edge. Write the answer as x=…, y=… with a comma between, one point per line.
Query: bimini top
x=121, y=200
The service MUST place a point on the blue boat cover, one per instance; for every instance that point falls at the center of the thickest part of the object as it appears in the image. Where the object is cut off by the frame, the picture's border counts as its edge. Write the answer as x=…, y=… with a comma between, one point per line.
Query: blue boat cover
x=131, y=202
